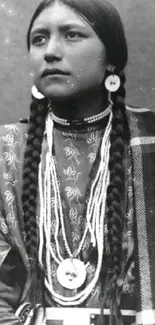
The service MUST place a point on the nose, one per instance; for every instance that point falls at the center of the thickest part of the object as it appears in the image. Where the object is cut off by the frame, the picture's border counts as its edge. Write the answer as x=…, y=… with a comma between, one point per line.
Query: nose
x=53, y=50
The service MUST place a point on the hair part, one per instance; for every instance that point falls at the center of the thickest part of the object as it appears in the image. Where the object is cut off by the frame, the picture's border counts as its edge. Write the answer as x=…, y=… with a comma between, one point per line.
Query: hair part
x=104, y=19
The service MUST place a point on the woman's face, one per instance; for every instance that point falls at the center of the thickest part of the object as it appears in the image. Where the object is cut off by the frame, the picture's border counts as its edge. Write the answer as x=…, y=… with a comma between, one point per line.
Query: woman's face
x=61, y=39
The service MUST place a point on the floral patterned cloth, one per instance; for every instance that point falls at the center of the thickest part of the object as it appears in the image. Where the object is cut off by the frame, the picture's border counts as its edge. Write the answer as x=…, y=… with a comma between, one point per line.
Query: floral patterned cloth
x=76, y=155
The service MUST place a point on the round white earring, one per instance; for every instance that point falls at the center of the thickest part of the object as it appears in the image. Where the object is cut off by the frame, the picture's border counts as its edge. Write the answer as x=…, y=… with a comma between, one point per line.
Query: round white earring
x=112, y=83
x=36, y=94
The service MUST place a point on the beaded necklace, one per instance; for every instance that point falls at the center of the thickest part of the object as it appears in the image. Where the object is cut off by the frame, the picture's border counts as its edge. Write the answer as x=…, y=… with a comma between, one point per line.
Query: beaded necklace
x=72, y=272
x=86, y=120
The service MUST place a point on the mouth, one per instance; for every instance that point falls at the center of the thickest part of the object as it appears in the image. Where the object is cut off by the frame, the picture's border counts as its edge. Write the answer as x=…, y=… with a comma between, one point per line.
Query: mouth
x=54, y=72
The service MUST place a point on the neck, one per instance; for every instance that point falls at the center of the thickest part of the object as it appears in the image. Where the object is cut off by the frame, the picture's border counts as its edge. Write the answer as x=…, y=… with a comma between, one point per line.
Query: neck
x=79, y=107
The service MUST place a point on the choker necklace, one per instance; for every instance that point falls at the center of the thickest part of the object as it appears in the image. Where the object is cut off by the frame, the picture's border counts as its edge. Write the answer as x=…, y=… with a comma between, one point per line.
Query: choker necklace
x=71, y=272
x=84, y=121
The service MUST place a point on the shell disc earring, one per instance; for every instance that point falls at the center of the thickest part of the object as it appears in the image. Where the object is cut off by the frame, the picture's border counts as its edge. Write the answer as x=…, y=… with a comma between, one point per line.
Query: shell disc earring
x=36, y=94
x=112, y=82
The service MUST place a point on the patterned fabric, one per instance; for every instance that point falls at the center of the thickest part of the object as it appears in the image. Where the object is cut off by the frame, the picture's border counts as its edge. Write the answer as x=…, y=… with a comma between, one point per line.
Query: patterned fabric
x=143, y=149
x=75, y=153
x=141, y=211
x=76, y=157
x=12, y=142
x=14, y=275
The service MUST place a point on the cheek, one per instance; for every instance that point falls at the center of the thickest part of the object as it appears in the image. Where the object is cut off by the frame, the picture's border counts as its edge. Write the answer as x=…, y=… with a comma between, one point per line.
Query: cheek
x=90, y=61
x=90, y=68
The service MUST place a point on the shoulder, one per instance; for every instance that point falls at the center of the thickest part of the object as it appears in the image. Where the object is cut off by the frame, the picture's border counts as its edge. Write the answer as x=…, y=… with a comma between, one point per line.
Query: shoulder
x=16, y=129
x=13, y=138
x=12, y=146
x=139, y=112
x=13, y=133
x=141, y=118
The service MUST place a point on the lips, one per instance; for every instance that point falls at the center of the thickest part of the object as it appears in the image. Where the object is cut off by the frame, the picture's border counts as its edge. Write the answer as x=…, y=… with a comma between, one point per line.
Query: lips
x=53, y=72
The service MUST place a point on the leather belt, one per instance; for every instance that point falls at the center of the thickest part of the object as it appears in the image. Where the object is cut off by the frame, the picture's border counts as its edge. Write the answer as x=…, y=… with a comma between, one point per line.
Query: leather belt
x=79, y=316
x=72, y=316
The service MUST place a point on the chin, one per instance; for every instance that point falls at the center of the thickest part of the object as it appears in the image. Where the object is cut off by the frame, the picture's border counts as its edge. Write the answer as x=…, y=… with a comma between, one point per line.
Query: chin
x=60, y=94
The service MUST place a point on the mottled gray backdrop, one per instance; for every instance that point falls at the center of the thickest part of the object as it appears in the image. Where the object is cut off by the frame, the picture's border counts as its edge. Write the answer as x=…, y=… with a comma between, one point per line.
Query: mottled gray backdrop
x=16, y=79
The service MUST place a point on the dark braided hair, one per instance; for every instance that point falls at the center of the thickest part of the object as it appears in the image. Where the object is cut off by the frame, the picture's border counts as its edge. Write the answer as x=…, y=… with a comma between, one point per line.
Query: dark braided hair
x=107, y=24
x=115, y=195
x=30, y=182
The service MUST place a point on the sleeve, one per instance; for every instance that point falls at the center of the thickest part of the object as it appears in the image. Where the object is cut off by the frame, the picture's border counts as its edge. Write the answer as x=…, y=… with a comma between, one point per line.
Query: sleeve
x=10, y=291
x=12, y=271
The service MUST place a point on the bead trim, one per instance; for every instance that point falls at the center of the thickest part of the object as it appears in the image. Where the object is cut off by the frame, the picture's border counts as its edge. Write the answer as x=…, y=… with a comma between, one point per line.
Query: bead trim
x=95, y=215
x=86, y=120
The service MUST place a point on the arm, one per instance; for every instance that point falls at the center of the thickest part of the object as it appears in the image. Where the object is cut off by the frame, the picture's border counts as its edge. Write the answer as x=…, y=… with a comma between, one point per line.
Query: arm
x=12, y=271
x=11, y=275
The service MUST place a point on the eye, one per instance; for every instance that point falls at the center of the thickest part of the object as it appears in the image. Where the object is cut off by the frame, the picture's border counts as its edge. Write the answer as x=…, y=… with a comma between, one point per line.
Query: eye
x=73, y=35
x=39, y=40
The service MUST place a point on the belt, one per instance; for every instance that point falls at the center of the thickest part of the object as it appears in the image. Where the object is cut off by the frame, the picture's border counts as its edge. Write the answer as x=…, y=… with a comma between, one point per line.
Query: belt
x=71, y=316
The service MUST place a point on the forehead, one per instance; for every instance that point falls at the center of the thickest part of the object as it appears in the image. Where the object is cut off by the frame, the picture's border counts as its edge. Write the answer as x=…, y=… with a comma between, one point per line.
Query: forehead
x=58, y=14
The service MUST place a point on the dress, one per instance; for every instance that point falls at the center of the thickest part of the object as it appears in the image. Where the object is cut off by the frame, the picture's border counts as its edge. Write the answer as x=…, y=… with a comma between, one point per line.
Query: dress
x=76, y=158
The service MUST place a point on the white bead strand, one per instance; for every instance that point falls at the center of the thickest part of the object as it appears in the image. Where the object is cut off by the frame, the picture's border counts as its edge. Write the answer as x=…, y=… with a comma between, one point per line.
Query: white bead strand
x=95, y=215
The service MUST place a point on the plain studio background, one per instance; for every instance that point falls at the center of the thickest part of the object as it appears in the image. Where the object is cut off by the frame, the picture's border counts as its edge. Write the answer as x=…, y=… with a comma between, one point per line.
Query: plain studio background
x=16, y=80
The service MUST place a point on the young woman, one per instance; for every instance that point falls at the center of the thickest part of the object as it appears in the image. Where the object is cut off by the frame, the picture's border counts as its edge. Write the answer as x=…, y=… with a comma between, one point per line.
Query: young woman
x=77, y=217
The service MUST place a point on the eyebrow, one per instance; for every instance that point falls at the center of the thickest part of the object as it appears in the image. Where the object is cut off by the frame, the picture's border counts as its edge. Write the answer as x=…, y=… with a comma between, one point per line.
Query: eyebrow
x=64, y=27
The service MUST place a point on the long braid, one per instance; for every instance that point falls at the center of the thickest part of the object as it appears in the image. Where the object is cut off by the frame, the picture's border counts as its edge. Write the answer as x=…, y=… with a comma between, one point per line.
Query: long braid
x=115, y=193
x=38, y=111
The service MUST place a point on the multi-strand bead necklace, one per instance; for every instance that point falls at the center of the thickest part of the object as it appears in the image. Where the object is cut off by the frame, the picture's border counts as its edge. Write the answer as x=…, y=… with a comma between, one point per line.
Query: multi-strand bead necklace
x=72, y=272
